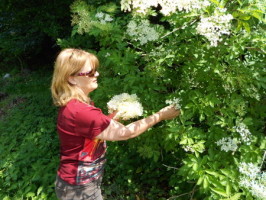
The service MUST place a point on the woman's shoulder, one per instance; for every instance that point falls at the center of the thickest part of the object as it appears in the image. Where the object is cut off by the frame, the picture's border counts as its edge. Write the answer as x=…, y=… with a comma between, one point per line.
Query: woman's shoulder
x=80, y=106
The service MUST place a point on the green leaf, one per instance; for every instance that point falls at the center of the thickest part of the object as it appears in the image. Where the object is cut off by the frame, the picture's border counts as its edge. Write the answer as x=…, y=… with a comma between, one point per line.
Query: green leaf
x=246, y=26
x=245, y=17
x=212, y=173
x=226, y=172
x=30, y=194
x=215, y=2
x=40, y=189
x=219, y=191
x=228, y=189
x=236, y=196
x=257, y=15
x=206, y=183
x=200, y=180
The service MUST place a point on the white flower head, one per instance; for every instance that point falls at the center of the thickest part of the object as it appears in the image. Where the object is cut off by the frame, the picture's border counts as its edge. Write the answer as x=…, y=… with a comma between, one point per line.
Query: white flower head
x=253, y=179
x=228, y=144
x=142, y=31
x=244, y=132
x=126, y=105
x=103, y=17
x=249, y=169
x=215, y=26
x=175, y=102
x=167, y=6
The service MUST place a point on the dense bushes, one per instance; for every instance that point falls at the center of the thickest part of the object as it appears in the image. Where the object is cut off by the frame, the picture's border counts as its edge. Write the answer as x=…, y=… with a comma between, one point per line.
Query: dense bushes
x=29, y=146
x=211, y=56
x=29, y=29
x=217, y=72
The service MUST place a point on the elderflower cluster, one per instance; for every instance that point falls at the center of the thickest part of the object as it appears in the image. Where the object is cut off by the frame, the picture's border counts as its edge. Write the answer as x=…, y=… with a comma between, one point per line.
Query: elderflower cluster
x=249, y=169
x=253, y=180
x=167, y=6
x=142, y=31
x=215, y=26
x=228, y=144
x=189, y=148
x=103, y=17
x=175, y=102
x=245, y=134
x=127, y=106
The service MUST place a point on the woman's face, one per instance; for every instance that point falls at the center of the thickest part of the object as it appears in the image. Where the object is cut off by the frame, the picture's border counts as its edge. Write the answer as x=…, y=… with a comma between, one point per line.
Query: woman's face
x=87, y=83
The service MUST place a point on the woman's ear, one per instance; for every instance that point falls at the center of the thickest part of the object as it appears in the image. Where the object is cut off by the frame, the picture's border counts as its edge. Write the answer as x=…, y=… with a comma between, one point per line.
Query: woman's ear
x=72, y=80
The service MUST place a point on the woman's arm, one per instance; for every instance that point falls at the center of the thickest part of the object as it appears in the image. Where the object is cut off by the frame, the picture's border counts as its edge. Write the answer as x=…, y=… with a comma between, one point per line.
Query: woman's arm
x=117, y=131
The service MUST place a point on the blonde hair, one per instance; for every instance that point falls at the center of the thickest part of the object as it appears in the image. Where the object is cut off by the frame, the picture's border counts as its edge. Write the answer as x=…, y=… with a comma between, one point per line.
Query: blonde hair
x=68, y=63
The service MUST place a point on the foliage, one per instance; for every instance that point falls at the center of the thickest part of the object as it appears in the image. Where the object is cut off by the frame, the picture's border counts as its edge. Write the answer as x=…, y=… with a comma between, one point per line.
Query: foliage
x=221, y=87
x=221, y=90
x=29, y=145
x=29, y=28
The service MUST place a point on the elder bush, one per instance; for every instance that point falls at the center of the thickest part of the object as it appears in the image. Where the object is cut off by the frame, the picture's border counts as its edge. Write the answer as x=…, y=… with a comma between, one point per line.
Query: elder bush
x=208, y=54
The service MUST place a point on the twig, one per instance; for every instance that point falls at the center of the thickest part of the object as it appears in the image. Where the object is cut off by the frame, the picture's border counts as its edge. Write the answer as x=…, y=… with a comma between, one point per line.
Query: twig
x=176, y=29
x=263, y=159
x=256, y=49
x=188, y=193
x=169, y=166
x=192, y=193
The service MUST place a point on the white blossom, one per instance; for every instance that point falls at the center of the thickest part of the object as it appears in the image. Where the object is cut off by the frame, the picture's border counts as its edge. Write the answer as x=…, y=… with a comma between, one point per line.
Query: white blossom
x=255, y=187
x=126, y=105
x=253, y=180
x=142, y=31
x=249, y=169
x=167, y=6
x=175, y=102
x=215, y=26
x=103, y=17
x=228, y=144
x=244, y=132
x=189, y=148
x=107, y=54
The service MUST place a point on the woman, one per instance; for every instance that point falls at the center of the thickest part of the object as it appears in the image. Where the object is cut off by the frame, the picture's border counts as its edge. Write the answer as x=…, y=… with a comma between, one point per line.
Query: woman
x=83, y=128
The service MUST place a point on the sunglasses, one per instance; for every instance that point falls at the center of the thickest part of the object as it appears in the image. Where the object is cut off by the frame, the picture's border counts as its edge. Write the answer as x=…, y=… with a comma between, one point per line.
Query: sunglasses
x=89, y=74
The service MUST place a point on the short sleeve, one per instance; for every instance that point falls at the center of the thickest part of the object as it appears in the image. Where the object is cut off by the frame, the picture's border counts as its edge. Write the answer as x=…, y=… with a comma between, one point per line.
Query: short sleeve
x=90, y=122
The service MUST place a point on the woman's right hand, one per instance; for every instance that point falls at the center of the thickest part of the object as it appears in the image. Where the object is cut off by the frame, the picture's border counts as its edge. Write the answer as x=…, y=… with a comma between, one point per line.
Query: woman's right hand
x=169, y=112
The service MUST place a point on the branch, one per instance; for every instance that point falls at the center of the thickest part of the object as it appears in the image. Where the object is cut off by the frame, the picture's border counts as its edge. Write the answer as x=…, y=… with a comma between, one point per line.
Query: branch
x=256, y=49
x=176, y=29
x=263, y=159
x=191, y=193
x=169, y=166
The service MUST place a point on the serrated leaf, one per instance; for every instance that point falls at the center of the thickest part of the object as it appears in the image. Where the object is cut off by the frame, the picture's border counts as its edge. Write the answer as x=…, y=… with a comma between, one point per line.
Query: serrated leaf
x=228, y=189
x=245, y=17
x=236, y=196
x=215, y=2
x=200, y=180
x=39, y=190
x=30, y=194
x=246, y=26
x=226, y=172
x=205, y=182
x=212, y=173
x=219, y=191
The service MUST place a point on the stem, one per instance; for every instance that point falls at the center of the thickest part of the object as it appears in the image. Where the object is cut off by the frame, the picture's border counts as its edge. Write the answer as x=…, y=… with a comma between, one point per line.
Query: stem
x=264, y=156
x=188, y=193
x=256, y=49
x=169, y=166
x=176, y=29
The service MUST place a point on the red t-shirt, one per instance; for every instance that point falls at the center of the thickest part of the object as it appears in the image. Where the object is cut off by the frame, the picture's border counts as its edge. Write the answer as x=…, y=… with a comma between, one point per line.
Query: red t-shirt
x=82, y=157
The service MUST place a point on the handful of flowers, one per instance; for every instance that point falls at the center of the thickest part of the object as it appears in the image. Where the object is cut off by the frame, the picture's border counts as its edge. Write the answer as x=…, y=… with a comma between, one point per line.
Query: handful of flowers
x=127, y=106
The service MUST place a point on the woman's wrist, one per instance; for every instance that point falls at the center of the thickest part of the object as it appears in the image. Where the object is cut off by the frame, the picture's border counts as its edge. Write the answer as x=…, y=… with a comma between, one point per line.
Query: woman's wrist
x=159, y=116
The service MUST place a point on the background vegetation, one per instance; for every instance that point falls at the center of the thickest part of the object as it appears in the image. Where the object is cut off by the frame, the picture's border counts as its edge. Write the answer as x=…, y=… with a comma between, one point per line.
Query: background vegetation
x=220, y=88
